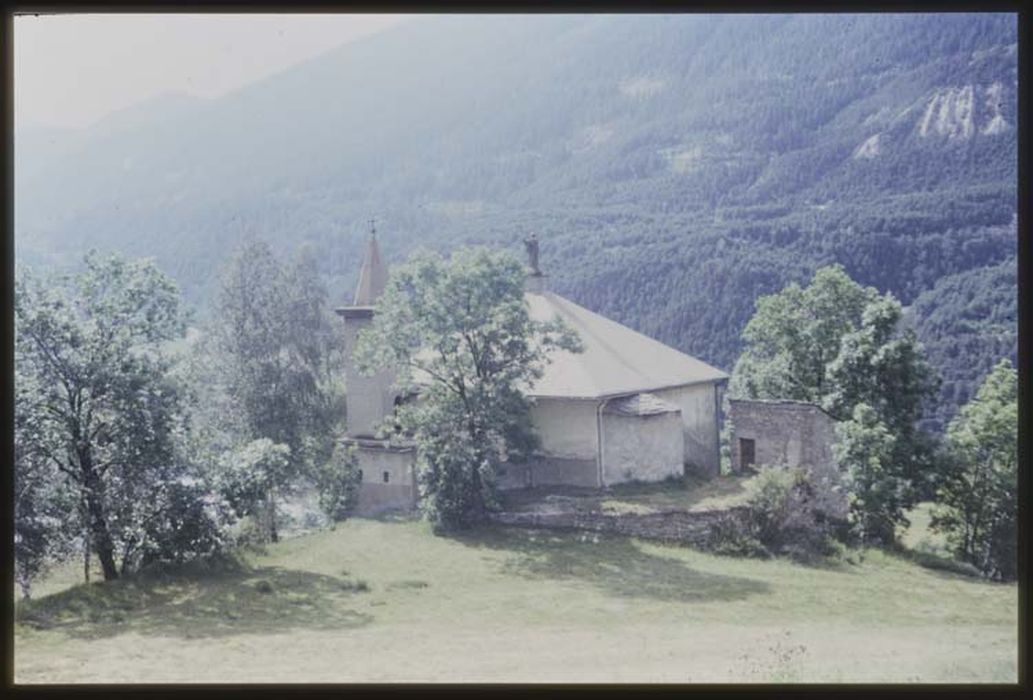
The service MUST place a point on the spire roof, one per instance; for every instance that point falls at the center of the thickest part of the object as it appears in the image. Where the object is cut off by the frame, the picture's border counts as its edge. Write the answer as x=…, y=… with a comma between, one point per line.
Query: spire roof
x=373, y=276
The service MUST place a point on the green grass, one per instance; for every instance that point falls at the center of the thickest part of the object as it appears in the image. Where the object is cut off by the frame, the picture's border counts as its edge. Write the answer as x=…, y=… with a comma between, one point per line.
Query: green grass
x=389, y=601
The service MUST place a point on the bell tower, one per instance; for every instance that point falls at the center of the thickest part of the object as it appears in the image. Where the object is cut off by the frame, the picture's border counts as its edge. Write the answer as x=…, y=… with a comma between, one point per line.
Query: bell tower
x=368, y=399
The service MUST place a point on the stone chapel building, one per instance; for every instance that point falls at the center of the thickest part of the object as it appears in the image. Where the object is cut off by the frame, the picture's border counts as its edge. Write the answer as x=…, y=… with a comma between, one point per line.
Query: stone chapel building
x=627, y=408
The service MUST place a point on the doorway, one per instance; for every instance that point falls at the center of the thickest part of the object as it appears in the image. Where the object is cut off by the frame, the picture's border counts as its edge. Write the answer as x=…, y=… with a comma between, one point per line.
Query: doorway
x=747, y=453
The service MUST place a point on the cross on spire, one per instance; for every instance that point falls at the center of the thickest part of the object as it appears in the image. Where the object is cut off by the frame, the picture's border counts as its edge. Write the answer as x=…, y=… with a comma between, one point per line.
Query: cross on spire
x=373, y=275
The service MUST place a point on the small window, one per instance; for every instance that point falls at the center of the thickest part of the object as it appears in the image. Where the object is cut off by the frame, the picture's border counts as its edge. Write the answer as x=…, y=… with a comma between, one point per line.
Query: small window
x=387, y=477
x=360, y=475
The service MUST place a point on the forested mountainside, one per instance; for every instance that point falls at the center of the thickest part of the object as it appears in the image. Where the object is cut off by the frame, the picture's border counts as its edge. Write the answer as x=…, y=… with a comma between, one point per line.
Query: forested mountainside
x=674, y=167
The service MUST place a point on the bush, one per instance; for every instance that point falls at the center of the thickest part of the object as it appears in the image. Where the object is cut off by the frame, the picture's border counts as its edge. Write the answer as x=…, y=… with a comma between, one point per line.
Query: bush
x=337, y=482
x=791, y=511
x=192, y=524
x=729, y=537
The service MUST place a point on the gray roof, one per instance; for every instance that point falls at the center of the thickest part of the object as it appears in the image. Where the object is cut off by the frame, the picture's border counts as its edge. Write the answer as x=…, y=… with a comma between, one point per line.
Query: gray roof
x=640, y=405
x=616, y=359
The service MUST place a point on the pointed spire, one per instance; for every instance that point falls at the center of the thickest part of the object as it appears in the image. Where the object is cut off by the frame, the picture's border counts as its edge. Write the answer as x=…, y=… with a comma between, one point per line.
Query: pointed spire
x=373, y=276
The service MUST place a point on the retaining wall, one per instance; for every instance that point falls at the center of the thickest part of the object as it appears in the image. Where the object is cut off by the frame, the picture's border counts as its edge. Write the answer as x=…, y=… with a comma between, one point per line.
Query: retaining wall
x=686, y=527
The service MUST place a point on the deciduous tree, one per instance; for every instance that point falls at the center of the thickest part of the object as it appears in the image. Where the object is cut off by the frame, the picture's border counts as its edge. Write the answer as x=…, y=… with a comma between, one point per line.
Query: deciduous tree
x=840, y=345
x=459, y=333
x=104, y=411
x=978, y=499
x=272, y=348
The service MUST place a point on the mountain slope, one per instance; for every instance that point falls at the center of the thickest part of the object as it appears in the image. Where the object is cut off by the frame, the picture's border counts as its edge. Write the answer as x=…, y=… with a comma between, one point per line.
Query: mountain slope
x=675, y=167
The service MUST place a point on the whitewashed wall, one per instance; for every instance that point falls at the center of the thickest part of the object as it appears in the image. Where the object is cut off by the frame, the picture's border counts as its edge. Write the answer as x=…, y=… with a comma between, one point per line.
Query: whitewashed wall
x=567, y=427
x=699, y=424
x=643, y=448
x=368, y=399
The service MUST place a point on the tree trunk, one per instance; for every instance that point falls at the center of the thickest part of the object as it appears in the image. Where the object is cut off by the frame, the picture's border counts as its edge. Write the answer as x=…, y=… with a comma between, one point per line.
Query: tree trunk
x=86, y=555
x=274, y=535
x=98, y=524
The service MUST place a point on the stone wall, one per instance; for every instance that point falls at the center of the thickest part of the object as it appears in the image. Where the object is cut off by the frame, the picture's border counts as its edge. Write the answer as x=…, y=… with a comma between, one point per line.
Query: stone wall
x=684, y=527
x=792, y=433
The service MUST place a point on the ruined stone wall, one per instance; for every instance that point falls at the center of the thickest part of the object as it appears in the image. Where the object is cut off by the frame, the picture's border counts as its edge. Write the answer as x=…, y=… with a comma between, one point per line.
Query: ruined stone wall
x=793, y=433
x=694, y=528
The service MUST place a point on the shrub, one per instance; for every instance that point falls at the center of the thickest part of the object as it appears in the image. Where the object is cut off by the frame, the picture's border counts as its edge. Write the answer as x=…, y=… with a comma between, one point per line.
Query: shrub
x=731, y=538
x=337, y=482
x=791, y=510
x=192, y=523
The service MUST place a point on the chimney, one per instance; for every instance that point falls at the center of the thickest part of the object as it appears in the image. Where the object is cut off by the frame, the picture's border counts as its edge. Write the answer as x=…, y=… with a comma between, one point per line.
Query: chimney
x=535, y=281
x=373, y=276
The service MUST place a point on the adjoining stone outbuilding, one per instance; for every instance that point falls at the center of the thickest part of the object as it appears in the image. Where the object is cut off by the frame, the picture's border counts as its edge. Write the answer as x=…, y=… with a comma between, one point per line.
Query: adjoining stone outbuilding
x=781, y=432
x=627, y=408
x=789, y=434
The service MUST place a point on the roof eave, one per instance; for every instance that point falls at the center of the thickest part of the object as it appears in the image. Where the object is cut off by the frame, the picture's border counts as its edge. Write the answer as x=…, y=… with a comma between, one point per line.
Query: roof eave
x=629, y=392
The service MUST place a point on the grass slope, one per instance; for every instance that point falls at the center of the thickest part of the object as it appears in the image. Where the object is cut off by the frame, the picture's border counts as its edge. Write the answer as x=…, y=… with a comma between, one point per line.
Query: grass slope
x=388, y=601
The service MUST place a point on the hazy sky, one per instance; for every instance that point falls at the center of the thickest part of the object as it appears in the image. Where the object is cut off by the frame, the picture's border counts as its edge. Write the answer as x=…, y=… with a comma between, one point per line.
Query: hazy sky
x=71, y=70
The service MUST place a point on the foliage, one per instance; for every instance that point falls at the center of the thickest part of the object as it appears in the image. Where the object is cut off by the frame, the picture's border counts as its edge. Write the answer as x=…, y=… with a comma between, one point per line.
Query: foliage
x=337, y=480
x=796, y=334
x=45, y=508
x=881, y=365
x=107, y=413
x=967, y=322
x=273, y=364
x=791, y=510
x=840, y=345
x=864, y=448
x=978, y=499
x=460, y=334
x=192, y=522
x=669, y=210
x=249, y=477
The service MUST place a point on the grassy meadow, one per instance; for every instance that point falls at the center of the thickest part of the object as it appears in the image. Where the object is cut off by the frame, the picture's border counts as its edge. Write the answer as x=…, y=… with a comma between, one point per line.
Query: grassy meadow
x=377, y=601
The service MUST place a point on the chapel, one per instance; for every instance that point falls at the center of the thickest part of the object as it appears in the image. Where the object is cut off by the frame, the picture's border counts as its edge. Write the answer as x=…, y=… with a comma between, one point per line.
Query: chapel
x=627, y=408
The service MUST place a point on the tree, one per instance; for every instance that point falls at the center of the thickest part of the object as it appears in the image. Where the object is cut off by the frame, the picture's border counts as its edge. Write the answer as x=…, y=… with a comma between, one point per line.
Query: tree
x=840, y=345
x=881, y=365
x=272, y=355
x=44, y=508
x=103, y=409
x=337, y=481
x=796, y=334
x=978, y=500
x=459, y=332
x=250, y=476
x=864, y=448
